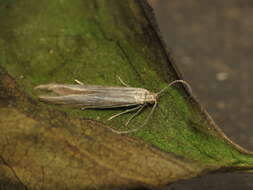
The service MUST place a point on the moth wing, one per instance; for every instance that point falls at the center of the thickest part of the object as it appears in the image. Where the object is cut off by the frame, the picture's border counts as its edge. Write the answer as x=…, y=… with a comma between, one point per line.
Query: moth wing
x=93, y=96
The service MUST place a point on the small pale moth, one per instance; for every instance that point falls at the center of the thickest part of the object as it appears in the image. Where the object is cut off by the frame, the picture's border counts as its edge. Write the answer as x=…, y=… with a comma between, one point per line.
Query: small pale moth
x=102, y=97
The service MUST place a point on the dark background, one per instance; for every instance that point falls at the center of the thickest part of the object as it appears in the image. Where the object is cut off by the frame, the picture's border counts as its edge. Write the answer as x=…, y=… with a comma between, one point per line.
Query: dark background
x=211, y=42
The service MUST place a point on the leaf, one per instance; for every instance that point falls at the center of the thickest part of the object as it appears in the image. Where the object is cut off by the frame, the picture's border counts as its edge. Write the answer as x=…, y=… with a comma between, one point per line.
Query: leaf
x=46, y=146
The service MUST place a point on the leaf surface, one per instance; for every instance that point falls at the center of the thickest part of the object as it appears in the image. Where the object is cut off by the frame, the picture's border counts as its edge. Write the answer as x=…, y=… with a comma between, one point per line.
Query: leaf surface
x=45, y=146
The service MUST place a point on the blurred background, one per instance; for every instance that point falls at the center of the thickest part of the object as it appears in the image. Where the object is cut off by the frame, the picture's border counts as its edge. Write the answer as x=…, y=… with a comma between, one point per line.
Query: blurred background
x=211, y=43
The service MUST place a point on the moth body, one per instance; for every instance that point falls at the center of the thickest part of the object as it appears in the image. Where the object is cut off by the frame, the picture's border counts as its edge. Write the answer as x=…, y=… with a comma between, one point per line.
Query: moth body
x=89, y=96
x=103, y=97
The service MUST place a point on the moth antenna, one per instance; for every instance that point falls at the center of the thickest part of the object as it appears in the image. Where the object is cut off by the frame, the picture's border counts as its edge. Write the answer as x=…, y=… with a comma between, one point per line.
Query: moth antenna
x=174, y=82
x=136, y=129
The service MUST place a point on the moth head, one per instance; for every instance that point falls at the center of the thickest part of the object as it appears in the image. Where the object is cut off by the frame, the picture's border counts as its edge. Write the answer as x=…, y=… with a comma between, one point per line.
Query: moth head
x=151, y=97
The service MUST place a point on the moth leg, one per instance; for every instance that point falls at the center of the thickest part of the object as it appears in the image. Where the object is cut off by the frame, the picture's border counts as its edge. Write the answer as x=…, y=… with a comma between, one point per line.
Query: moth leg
x=135, y=114
x=136, y=129
x=78, y=82
x=126, y=111
x=122, y=82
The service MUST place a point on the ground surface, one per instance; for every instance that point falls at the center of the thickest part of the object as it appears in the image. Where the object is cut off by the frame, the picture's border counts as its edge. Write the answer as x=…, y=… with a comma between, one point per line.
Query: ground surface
x=212, y=43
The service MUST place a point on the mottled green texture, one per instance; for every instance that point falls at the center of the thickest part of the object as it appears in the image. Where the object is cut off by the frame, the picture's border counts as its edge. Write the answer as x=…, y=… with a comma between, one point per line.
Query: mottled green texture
x=94, y=41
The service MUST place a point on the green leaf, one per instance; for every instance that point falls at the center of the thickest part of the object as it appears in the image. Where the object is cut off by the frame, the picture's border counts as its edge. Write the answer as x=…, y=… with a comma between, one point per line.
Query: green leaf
x=45, y=146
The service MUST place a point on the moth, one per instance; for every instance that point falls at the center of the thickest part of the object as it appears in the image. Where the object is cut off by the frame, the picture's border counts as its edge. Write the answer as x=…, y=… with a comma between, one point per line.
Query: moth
x=103, y=97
